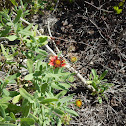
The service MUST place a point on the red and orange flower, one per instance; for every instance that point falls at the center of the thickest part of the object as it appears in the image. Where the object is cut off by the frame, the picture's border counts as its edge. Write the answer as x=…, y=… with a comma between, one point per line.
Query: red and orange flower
x=57, y=62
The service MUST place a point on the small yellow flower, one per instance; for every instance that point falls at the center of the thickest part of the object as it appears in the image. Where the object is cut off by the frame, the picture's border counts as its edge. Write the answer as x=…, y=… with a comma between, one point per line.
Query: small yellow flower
x=73, y=59
x=79, y=103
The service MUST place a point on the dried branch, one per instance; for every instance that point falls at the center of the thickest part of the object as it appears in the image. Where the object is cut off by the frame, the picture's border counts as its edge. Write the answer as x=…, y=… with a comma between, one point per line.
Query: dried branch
x=98, y=8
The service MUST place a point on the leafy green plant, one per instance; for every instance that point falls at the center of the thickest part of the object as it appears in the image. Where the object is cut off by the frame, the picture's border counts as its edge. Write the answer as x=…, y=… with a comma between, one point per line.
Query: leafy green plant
x=99, y=83
x=118, y=9
x=34, y=100
x=38, y=4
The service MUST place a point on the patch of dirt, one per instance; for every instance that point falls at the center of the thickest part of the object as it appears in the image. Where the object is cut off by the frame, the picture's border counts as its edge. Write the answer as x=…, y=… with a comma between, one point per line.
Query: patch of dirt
x=98, y=39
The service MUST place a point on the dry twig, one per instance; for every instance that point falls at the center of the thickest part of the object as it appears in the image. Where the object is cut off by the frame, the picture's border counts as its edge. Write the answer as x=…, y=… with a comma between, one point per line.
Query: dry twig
x=98, y=8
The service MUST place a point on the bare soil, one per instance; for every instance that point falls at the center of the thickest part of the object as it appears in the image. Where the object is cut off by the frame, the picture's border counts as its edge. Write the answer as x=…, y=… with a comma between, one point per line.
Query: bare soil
x=97, y=36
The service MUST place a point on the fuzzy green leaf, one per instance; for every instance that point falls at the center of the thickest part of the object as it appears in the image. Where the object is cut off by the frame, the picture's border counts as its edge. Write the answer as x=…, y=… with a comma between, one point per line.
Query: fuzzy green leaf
x=66, y=99
x=7, y=124
x=60, y=86
x=14, y=76
x=48, y=100
x=12, y=37
x=16, y=99
x=28, y=77
x=17, y=18
x=3, y=50
x=44, y=87
x=12, y=116
x=103, y=74
x=30, y=65
x=2, y=112
x=70, y=111
x=26, y=95
x=62, y=93
x=58, y=111
x=14, y=2
x=28, y=121
x=59, y=122
x=42, y=40
x=94, y=73
x=40, y=51
x=100, y=100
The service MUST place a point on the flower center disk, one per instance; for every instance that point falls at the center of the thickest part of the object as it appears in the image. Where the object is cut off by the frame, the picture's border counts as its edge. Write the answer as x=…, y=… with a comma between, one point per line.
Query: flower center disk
x=58, y=62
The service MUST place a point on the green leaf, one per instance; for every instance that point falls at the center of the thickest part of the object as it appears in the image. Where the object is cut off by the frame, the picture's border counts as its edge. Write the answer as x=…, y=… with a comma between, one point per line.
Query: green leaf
x=7, y=124
x=121, y=4
x=13, y=108
x=12, y=37
x=9, y=57
x=44, y=87
x=27, y=121
x=13, y=93
x=14, y=76
x=58, y=111
x=100, y=100
x=26, y=95
x=7, y=118
x=16, y=99
x=6, y=93
x=66, y=99
x=3, y=50
x=40, y=51
x=2, y=112
x=33, y=117
x=42, y=40
x=17, y=18
x=12, y=116
x=29, y=77
x=59, y=122
x=62, y=93
x=25, y=32
x=15, y=54
x=94, y=73
x=14, y=2
x=71, y=79
x=70, y=111
x=5, y=32
x=60, y=86
x=48, y=100
x=119, y=11
x=28, y=27
x=94, y=85
x=116, y=8
x=103, y=74
x=24, y=111
x=52, y=75
x=30, y=65
x=35, y=29
x=37, y=65
x=90, y=77
x=4, y=100
x=5, y=53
